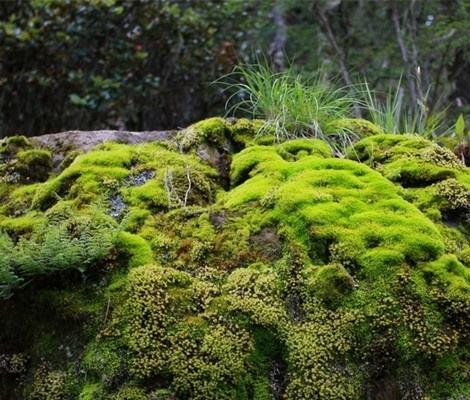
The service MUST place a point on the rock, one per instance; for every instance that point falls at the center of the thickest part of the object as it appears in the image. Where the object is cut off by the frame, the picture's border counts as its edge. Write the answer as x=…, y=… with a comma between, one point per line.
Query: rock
x=86, y=140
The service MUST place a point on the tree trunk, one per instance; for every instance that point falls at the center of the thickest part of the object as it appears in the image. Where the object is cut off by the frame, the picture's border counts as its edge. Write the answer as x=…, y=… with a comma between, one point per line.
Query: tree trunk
x=278, y=45
x=404, y=53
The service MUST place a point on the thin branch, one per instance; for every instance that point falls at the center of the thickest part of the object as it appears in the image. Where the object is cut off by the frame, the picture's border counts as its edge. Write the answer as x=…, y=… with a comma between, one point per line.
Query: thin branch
x=325, y=23
x=328, y=30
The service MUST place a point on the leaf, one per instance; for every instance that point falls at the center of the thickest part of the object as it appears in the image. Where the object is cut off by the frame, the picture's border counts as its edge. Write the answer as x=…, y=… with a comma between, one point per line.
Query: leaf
x=77, y=100
x=460, y=127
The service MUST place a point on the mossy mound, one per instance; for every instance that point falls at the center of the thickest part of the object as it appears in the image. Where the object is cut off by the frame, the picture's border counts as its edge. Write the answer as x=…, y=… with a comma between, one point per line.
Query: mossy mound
x=431, y=177
x=20, y=162
x=147, y=271
x=409, y=160
x=360, y=128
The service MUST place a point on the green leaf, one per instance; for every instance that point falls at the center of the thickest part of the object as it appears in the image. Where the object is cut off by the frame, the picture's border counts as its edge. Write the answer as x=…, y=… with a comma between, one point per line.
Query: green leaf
x=460, y=127
x=77, y=100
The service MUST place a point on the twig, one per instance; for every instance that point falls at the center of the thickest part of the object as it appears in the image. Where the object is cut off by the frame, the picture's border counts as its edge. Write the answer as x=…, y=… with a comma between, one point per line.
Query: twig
x=189, y=185
x=107, y=310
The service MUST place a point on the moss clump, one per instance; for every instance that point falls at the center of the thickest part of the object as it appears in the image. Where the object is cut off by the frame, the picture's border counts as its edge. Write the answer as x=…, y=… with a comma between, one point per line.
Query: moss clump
x=34, y=165
x=13, y=363
x=11, y=145
x=232, y=133
x=164, y=334
x=92, y=391
x=148, y=176
x=451, y=276
x=359, y=127
x=134, y=248
x=130, y=393
x=409, y=160
x=323, y=201
x=20, y=162
x=102, y=360
x=432, y=176
x=455, y=196
x=330, y=283
x=212, y=130
x=248, y=160
x=48, y=385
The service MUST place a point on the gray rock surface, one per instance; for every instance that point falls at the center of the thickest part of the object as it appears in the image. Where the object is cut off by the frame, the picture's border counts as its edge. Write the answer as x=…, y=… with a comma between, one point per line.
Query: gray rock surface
x=85, y=140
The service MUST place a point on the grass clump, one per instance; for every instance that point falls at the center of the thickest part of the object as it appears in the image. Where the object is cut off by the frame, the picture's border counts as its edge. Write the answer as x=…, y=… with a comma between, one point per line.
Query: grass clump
x=292, y=106
x=393, y=115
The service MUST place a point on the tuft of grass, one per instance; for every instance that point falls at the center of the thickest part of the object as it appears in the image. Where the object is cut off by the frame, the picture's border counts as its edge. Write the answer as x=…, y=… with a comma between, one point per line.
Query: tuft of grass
x=291, y=105
x=393, y=114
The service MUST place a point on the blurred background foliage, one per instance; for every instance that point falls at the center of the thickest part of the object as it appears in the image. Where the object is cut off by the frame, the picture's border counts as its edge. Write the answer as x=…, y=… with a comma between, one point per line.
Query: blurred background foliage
x=149, y=64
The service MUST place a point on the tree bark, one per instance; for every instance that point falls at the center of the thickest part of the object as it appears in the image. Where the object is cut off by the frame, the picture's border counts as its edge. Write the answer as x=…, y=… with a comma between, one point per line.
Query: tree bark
x=278, y=45
x=404, y=53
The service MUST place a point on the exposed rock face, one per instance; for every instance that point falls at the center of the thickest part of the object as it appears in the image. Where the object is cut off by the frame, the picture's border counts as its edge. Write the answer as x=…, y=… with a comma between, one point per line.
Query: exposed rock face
x=86, y=140
x=210, y=263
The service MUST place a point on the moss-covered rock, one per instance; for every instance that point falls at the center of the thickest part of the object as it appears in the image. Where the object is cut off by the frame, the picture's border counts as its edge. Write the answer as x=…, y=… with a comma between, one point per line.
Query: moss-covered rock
x=226, y=266
x=20, y=162
x=432, y=177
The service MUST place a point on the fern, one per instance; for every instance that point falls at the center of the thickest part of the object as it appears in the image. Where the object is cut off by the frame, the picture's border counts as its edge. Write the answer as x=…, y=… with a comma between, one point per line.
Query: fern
x=8, y=278
x=59, y=245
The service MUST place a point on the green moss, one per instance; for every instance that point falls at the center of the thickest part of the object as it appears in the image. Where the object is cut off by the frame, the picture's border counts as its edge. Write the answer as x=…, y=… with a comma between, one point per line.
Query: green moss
x=134, y=248
x=313, y=348
x=357, y=126
x=19, y=200
x=21, y=163
x=130, y=393
x=10, y=145
x=256, y=281
x=103, y=360
x=247, y=130
x=50, y=384
x=323, y=201
x=450, y=274
x=230, y=133
x=34, y=165
x=330, y=283
x=432, y=177
x=135, y=219
x=409, y=160
x=92, y=391
x=21, y=225
x=249, y=159
x=455, y=195
x=94, y=177
x=211, y=130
